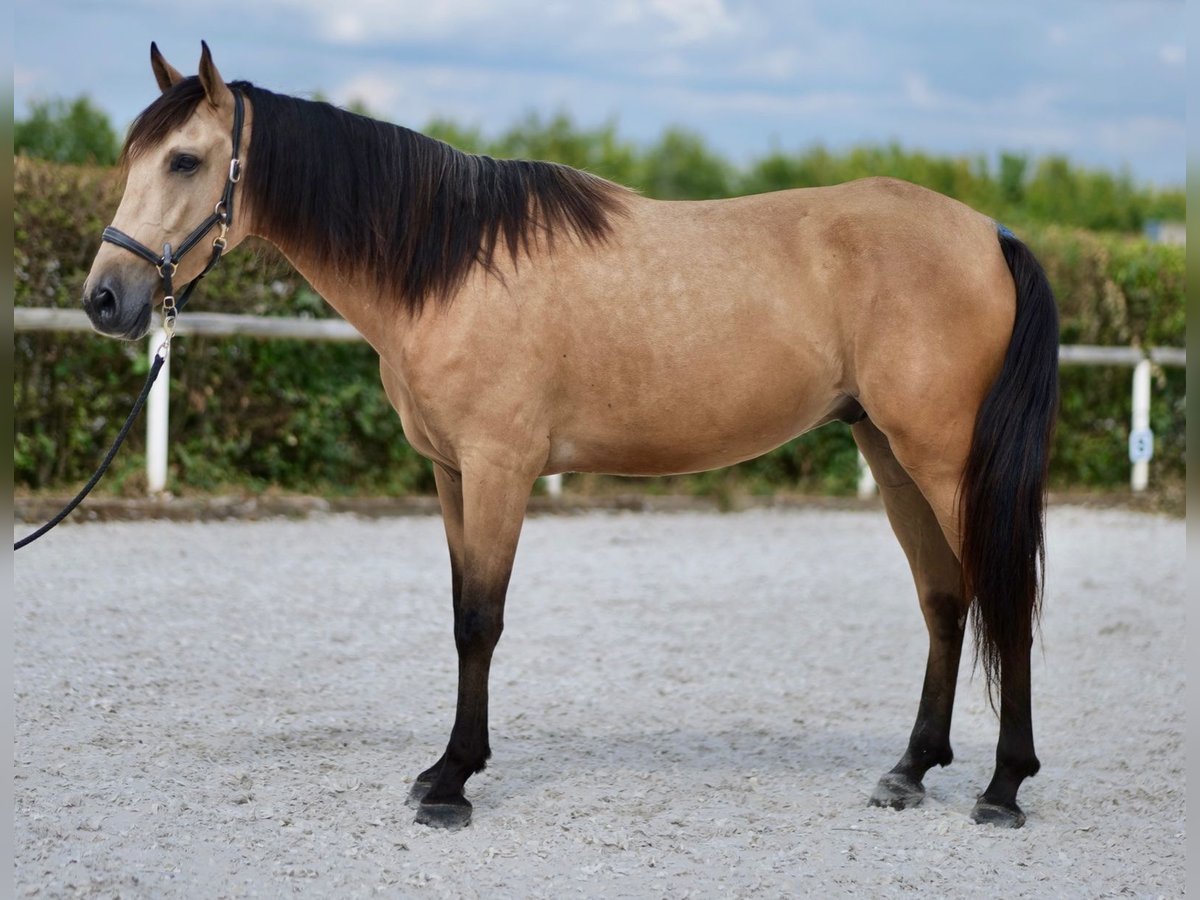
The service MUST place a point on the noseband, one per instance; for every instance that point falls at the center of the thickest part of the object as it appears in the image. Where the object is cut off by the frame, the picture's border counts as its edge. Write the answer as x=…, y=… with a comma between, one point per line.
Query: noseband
x=168, y=261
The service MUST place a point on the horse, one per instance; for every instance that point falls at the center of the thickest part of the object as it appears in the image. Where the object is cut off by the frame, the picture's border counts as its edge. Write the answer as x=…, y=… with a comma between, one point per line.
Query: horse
x=532, y=319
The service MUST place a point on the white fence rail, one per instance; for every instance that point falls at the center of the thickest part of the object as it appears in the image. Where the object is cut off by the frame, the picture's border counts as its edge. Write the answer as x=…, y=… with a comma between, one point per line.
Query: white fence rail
x=1141, y=440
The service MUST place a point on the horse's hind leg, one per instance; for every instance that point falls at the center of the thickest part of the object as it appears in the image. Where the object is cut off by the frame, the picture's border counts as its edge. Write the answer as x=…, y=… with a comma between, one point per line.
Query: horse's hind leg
x=935, y=468
x=936, y=571
x=485, y=525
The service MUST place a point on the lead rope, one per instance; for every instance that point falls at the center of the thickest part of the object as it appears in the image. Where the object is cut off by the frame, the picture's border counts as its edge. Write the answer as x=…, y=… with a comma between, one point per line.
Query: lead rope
x=159, y=358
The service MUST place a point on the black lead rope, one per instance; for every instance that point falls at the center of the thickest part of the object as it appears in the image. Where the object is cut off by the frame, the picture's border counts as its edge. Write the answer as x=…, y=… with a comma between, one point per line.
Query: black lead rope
x=155, y=368
x=166, y=264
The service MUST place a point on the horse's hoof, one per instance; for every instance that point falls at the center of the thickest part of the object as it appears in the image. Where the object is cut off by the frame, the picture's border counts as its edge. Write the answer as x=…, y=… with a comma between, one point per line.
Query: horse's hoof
x=417, y=793
x=897, y=791
x=451, y=816
x=986, y=813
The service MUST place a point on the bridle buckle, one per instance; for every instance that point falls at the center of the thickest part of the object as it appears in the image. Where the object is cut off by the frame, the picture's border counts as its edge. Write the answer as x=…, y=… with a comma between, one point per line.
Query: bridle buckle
x=219, y=241
x=169, y=313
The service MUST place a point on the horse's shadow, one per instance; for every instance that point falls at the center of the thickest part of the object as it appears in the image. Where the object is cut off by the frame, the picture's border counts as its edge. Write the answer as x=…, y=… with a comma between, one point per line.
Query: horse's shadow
x=539, y=759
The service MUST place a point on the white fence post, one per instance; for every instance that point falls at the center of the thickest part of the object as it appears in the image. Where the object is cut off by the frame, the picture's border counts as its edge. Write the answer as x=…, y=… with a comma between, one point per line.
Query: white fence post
x=866, y=480
x=553, y=485
x=156, y=419
x=1141, y=438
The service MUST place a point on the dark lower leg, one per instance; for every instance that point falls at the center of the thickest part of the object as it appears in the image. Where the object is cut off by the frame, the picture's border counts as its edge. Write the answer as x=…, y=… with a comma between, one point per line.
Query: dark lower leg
x=929, y=743
x=442, y=801
x=1015, y=756
x=449, y=485
x=476, y=634
x=426, y=778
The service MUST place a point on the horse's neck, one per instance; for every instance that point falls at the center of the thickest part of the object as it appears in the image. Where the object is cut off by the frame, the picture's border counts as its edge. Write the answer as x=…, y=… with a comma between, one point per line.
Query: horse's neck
x=352, y=294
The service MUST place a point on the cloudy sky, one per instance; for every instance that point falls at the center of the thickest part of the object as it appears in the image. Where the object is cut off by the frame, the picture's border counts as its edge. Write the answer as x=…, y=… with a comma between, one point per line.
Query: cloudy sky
x=1101, y=81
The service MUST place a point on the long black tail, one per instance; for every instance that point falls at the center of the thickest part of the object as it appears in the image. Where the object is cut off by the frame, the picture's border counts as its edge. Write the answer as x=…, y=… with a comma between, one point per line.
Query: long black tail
x=1004, y=483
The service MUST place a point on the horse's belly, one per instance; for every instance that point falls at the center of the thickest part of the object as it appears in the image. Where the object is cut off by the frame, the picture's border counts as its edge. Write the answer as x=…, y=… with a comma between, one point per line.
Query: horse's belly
x=681, y=433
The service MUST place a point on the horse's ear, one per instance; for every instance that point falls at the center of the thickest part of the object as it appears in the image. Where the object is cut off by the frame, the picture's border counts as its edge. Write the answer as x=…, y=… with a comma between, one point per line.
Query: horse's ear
x=165, y=74
x=215, y=88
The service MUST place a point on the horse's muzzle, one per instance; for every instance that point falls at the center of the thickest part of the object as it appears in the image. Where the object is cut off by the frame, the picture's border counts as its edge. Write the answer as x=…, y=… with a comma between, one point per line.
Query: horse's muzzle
x=114, y=312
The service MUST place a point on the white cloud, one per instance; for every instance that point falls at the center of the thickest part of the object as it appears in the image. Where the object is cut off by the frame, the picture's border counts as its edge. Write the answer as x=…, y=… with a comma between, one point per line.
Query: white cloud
x=654, y=22
x=687, y=21
x=359, y=21
x=776, y=64
x=1172, y=55
x=694, y=20
x=377, y=91
x=918, y=92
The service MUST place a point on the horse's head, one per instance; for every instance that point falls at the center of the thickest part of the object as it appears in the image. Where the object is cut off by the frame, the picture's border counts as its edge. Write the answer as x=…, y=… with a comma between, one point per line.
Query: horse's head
x=178, y=191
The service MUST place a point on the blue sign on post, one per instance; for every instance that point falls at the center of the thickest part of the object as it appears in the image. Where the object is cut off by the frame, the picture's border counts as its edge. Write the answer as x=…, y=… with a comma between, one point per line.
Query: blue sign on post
x=1141, y=445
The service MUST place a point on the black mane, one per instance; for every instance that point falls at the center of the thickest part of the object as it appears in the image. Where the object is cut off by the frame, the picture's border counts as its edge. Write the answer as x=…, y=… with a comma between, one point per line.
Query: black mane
x=358, y=195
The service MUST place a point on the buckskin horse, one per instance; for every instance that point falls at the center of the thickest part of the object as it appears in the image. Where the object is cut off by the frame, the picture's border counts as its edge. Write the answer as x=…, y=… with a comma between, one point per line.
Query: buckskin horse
x=532, y=319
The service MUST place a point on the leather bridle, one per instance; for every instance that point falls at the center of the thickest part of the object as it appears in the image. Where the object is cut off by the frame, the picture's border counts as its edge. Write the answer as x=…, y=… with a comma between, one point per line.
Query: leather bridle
x=222, y=216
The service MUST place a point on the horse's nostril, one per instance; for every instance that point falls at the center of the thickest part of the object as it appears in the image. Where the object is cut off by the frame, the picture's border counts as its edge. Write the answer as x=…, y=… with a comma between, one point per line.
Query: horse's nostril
x=104, y=303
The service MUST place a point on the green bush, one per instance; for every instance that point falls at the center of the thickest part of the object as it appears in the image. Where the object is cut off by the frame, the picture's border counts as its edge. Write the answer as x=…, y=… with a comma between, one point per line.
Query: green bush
x=313, y=417
x=66, y=132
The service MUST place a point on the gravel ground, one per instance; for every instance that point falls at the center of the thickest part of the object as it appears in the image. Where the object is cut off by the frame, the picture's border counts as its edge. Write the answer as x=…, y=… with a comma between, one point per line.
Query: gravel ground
x=683, y=705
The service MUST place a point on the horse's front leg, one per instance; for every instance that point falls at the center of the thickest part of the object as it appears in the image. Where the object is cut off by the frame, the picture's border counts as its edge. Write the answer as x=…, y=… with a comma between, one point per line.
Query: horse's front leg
x=449, y=488
x=483, y=508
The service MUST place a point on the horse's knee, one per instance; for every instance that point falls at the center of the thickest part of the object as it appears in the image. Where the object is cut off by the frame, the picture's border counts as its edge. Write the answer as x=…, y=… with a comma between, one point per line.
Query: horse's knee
x=476, y=629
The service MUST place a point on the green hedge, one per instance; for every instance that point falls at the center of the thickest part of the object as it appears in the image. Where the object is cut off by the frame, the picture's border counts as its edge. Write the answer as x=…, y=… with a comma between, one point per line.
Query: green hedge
x=304, y=416
x=1114, y=291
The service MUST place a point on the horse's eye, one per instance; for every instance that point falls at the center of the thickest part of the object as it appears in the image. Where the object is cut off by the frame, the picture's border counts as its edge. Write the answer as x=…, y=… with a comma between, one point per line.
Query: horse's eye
x=184, y=163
